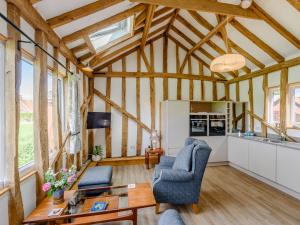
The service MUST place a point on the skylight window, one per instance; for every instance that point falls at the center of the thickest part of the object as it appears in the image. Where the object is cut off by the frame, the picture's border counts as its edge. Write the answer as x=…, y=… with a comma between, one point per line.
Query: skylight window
x=111, y=34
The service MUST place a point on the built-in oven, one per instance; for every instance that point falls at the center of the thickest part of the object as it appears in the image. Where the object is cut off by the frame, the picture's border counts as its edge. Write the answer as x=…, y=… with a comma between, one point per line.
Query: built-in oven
x=217, y=125
x=198, y=125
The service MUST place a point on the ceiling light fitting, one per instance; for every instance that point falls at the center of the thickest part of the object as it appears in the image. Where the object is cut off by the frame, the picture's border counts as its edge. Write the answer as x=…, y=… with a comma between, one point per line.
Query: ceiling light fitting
x=229, y=61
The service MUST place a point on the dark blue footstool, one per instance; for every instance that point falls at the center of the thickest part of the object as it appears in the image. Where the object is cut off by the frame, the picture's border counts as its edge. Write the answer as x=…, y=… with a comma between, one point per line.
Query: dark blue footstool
x=95, y=177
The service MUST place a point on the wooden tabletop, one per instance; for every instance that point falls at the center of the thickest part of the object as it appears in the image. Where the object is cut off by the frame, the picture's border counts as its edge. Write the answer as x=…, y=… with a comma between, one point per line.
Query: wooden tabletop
x=140, y=196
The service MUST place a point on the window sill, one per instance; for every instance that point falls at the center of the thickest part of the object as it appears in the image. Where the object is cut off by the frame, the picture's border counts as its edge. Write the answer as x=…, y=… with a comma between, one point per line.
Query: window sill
x=26, y=169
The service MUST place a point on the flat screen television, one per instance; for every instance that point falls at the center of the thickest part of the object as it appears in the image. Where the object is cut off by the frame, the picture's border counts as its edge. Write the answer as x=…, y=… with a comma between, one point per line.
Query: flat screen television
x=97, y=120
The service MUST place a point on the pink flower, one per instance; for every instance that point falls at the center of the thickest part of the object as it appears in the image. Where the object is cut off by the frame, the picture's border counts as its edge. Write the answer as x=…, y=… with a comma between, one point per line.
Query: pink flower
x=46, y=186
x=71, y=179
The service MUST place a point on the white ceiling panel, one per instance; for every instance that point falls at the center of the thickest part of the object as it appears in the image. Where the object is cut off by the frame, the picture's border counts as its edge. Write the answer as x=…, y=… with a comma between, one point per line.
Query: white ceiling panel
x=51, y=8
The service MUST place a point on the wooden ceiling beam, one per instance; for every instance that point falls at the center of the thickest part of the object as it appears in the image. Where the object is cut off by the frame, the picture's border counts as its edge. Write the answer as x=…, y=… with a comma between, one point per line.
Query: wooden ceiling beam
x=172, y=20
x=209, y=27
x=156, y=74
x=149, y=18
x=34, y=1
x=141, y=18
x=79, y=48
x=204, y=40
x=267, y=70
x=100, y=67
x=295, y=4
x=193, y=54
x=34, y=18
x=204, y=6
x=102, y=24
x=275, y=25
x=83, y=11
x=257, y=41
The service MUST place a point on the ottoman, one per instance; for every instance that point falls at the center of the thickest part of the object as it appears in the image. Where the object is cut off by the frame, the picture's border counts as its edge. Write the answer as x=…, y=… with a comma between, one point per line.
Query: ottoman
x=95, y=177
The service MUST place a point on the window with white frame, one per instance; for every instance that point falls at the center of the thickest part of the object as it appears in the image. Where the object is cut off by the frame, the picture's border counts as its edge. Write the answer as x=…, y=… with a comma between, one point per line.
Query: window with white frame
x=2, y=119
x=294, y=117
x=26, y=129
x=274, y=106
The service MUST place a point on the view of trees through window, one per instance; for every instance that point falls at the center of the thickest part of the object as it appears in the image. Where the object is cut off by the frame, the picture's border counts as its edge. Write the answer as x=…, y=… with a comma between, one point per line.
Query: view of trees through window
x=26, y=135
x=295, y=105
x=274, y=106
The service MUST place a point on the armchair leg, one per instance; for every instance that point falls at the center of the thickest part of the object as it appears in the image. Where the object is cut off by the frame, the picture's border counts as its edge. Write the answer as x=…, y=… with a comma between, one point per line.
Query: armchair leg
x=157, y=208
x=195, y=208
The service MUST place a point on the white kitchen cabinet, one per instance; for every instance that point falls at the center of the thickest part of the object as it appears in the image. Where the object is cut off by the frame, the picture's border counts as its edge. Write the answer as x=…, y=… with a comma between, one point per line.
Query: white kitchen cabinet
x=218, y=145
x=262, y=159
x=238, y=152
x=175, y=125
x=288, y=167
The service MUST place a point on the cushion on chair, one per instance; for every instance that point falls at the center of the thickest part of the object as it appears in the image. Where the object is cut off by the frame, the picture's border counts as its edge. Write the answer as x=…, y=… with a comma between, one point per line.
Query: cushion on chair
x=157, y=170
x=170, y=217
x=96, y=175
x=184, y=158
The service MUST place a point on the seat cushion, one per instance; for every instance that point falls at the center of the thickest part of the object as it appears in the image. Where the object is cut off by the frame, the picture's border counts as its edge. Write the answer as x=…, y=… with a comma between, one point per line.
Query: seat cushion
x=96, y=176
x=184, y=158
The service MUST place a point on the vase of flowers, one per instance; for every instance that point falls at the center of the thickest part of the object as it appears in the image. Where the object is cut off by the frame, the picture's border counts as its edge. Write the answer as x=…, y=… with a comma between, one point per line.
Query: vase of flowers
x=56, y=183
x=97, y=153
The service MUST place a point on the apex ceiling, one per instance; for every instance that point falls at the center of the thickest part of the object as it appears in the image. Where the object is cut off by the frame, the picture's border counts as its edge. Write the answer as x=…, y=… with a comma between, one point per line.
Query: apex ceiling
x=263, y=41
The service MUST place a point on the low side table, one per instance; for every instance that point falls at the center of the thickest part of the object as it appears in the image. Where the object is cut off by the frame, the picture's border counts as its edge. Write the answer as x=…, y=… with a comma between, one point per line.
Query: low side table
x=149, y=152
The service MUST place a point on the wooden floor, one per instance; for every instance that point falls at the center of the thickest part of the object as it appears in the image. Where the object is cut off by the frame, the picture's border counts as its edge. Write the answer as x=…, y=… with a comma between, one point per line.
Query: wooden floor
x=227, y=197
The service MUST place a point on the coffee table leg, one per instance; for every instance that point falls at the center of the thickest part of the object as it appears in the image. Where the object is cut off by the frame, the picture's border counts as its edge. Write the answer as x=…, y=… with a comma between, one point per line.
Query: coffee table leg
x=134, y=211
x=147, y=159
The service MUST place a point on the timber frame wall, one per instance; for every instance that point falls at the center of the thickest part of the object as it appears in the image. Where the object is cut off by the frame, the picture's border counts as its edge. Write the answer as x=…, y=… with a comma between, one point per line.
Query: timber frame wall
x=146, y=66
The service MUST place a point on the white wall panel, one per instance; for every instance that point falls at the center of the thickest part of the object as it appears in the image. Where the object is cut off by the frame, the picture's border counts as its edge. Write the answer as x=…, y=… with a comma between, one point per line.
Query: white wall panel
x=294, y=74
x=28, y=191
x=185, y=89
x=4, y=208
x=274, y=79
x=172, y=89
x=197, y=90
x=158, y=100
x=258, y=101
x=145, y=101
x=171, y=56
x=208, y=91
x=99, y=106
x=220, y=90
x=244, y=86
x=158, y=55
x=131, y=62
x=232, y=94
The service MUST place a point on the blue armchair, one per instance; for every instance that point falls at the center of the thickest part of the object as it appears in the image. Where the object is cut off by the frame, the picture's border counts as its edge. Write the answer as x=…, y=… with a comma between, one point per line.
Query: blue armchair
x=179, y=186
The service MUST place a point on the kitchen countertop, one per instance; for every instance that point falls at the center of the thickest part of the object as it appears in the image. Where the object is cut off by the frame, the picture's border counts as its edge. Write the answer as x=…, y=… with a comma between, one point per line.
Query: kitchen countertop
x=287, y=144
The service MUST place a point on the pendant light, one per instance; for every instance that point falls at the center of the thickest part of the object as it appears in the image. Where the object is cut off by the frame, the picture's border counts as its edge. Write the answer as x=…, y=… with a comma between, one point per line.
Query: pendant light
x=227, y=62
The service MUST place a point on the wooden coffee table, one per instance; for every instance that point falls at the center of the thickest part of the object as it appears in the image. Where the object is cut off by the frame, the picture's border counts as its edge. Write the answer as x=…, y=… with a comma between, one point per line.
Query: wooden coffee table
x=123, y=204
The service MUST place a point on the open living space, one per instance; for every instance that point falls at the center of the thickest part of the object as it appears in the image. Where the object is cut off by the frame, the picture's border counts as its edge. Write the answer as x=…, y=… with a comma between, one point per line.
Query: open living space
x=150, y=112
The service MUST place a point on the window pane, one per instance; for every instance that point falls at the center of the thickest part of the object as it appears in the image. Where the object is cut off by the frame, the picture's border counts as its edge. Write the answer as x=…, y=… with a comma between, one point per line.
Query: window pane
x=2, y=121
x=296, y=105
x=276, y=106
x=50, y=117
x=26, y=141
x=111, y=33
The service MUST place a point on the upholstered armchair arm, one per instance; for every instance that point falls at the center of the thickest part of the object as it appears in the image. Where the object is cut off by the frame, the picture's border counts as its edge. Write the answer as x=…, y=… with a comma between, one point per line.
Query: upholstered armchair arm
x=170, y=175
x=167, y=160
